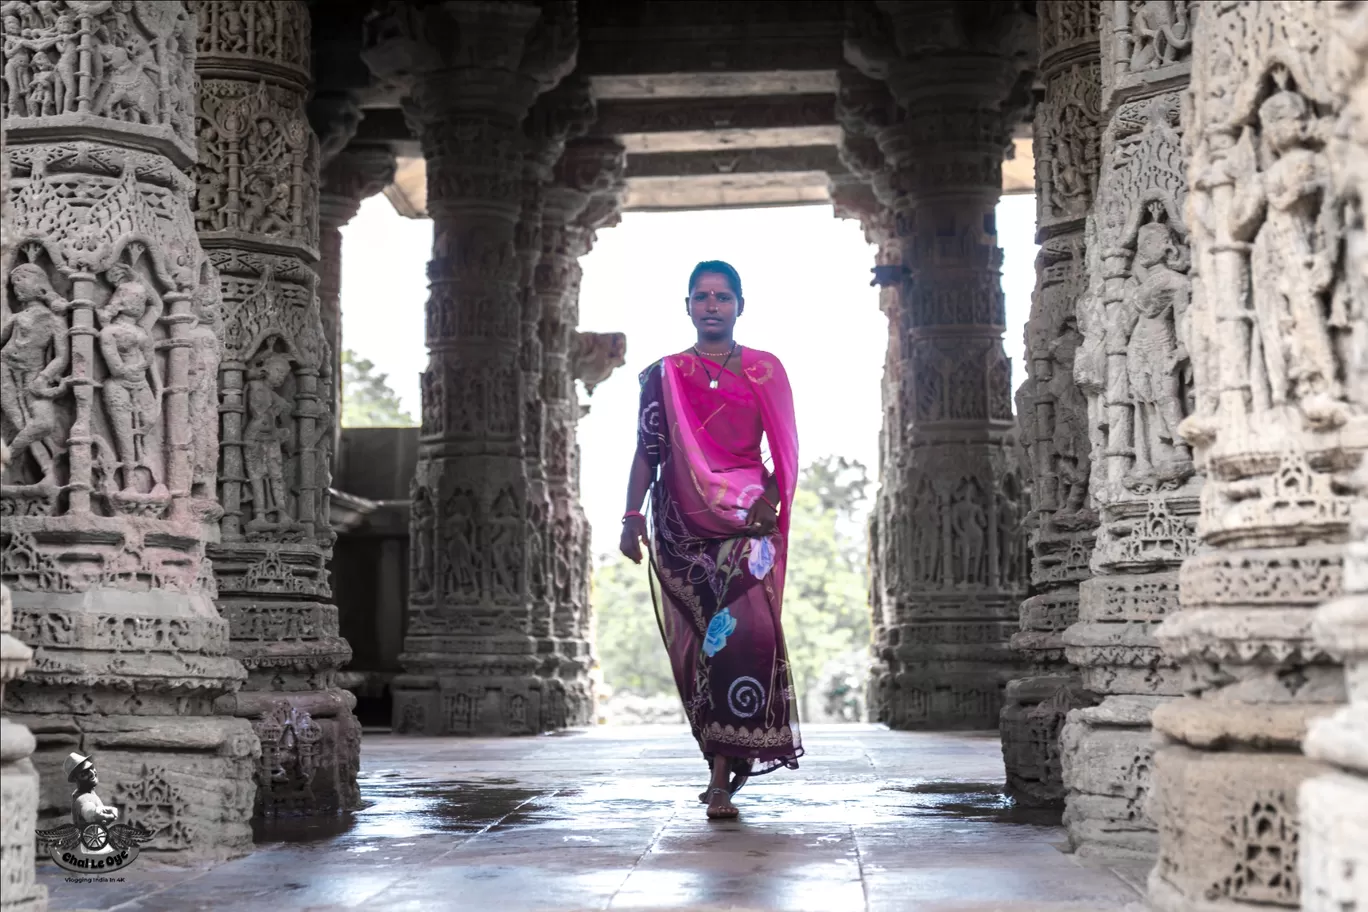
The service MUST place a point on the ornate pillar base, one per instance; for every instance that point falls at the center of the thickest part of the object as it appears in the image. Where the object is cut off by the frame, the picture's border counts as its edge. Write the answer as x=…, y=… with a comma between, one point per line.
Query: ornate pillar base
x=163, y=757
x=467, y=704
x=1106, y=755
x=18, y=817
x=1226, y=820
x=1032, y=718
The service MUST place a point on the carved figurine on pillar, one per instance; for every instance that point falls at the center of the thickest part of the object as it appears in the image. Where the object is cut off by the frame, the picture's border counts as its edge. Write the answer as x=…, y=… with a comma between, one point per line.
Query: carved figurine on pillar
x=257, y=214
x=103, y=530
x=1132, y=367
x=470, y=654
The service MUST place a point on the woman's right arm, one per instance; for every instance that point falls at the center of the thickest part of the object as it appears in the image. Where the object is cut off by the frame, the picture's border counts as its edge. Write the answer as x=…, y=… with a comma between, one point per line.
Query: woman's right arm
x=634, y=525
x=644, y=463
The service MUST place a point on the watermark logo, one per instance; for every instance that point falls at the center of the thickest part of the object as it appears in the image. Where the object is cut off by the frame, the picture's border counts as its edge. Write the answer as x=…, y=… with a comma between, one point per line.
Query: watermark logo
x=94, y=842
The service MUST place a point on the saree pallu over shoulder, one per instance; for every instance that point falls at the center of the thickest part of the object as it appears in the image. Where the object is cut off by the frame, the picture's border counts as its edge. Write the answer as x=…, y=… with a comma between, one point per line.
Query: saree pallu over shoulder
x=719, y=592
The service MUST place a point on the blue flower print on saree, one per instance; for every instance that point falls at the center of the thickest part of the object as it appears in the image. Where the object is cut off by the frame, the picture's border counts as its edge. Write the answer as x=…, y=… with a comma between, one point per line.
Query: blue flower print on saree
x=721, y=627
x=761, y=557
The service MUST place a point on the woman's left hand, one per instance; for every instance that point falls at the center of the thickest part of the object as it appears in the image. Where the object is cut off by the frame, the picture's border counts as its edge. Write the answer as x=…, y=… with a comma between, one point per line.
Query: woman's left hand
x=761, y=520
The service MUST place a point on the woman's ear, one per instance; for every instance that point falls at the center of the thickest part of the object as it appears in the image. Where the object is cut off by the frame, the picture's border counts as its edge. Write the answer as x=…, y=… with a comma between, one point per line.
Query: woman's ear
x=740, y=306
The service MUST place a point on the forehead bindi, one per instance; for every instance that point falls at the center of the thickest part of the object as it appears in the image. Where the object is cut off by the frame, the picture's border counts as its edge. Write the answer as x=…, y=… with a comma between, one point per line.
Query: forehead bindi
x=714, y=282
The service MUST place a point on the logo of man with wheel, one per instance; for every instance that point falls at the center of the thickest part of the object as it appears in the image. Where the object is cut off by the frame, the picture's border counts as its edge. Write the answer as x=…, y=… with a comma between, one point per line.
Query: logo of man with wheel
x=93, y=842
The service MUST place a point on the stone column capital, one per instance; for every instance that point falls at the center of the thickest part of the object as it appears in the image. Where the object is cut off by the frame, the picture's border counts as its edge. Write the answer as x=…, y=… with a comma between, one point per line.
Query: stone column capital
x=353, y=175
x=494, y=57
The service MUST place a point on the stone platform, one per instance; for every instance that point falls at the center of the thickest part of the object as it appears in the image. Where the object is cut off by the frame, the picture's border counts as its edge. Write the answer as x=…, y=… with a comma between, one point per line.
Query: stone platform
x=608, y=818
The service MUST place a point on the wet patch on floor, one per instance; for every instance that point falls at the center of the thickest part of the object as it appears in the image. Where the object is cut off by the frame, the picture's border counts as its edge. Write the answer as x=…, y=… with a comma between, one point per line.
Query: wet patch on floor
x=395, y=807
x=978, y=801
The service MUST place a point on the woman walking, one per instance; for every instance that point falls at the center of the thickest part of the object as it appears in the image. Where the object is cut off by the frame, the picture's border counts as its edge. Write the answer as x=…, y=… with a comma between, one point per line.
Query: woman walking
x=718, y=535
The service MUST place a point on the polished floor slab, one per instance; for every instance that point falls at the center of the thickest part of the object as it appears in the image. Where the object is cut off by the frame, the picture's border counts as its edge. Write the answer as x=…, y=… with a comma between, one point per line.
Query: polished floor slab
x=608, y=818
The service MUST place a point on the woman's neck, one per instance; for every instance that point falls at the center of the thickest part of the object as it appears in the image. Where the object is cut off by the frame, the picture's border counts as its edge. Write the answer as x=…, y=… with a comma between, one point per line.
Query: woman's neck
x=715, y=346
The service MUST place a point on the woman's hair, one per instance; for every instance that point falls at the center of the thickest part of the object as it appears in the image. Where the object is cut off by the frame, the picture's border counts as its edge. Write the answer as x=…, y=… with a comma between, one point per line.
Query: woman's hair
x=726, y=270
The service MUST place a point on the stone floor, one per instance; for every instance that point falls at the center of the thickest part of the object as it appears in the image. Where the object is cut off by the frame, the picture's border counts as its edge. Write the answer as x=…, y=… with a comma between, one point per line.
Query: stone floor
x=609, y=819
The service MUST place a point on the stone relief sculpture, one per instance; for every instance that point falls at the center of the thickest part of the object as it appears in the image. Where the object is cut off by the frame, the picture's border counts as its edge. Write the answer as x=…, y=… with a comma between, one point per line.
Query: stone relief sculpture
x=35, y=355
x=1134, y=369
x=1278, y=442
x=102, y=266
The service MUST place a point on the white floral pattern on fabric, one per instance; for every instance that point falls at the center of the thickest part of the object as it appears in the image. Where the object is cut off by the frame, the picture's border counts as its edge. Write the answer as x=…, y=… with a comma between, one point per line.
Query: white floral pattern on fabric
x=719, y=628
x=761, y=556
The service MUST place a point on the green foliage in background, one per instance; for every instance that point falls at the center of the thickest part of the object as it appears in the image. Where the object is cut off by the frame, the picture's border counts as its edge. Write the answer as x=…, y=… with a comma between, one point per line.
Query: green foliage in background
x=826, y=612
x=367, y=400
x=629, y=647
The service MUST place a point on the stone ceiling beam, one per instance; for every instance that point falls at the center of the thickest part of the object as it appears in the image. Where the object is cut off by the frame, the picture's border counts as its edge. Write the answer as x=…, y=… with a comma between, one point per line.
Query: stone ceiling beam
x=736, y=161
x=756, y=112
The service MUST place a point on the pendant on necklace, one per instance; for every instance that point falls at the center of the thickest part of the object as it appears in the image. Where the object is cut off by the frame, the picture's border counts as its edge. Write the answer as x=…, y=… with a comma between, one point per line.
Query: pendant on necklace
x=712, y=384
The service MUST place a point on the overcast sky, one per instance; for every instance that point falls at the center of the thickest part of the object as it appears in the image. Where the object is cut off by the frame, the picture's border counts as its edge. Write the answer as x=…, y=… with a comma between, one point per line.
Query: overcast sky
x=808, y=301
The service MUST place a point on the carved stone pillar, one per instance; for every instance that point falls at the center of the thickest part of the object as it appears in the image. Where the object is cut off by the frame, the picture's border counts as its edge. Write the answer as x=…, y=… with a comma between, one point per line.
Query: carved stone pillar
x=257, y=215
x=470, y=73
x=18, y=778
x=351, y=176
x=585, y=195
x=105, y=499
x=1133, y=369
x=1334, y=806
x=863, y=106
x=1051, y=412
x=561, y=113
x=1272, y=327
x=955, y=76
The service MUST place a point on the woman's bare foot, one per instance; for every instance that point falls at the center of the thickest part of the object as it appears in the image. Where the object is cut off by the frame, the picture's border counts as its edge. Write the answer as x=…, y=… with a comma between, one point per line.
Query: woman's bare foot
x=720, y=806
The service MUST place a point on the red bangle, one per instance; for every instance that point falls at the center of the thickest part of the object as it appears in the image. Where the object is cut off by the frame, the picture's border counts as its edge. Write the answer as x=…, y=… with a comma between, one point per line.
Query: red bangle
x=630, y=513
x=770, y=505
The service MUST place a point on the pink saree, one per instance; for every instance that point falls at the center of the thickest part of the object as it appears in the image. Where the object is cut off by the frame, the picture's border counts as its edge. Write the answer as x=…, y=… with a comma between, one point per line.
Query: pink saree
x=718, y=593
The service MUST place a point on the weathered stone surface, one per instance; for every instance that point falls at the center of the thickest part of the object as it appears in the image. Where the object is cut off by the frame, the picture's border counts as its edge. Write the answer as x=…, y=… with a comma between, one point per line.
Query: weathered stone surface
x=469, y=76
x=105, y=496
x=1133, y=368
x=1052, y=413
x=1273, y=319
x=956, y=533
x=1334, y=806
x=18, y=779
x=257, y=211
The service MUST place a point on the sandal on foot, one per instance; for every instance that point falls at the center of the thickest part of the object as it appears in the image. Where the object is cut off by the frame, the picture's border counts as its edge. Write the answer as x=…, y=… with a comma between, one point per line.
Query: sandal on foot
x=725, y=812
x=737, y=780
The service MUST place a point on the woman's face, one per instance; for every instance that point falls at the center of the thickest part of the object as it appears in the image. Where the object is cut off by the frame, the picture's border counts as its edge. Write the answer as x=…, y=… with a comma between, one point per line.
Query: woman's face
x=713, y=306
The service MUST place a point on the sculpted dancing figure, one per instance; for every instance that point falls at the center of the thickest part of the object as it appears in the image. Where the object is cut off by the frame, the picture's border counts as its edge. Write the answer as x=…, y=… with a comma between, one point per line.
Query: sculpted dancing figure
x=717, y=538
x=35, y=354
x=133, y=392
x=265, y=434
